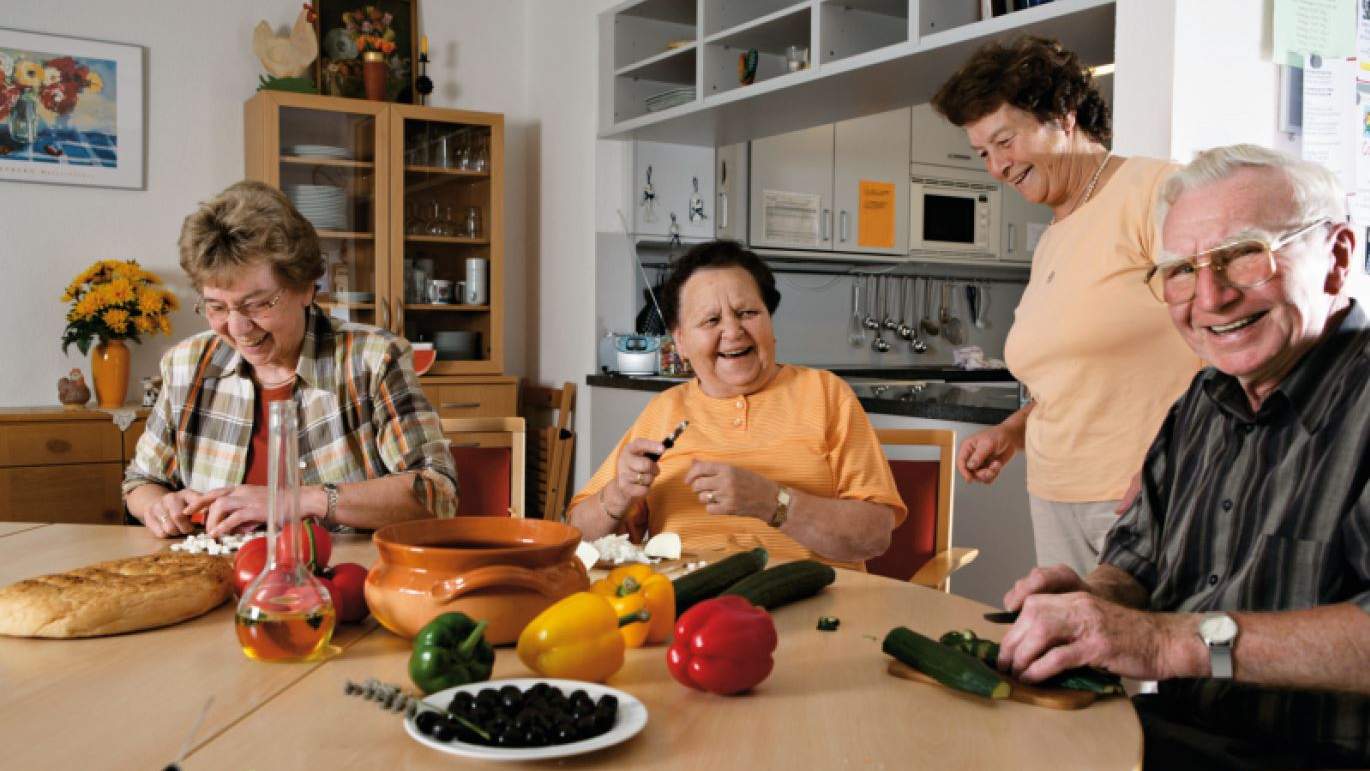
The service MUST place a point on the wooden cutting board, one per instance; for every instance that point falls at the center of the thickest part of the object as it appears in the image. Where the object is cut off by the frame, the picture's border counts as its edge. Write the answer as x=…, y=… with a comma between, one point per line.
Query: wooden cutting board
x=1053, y=698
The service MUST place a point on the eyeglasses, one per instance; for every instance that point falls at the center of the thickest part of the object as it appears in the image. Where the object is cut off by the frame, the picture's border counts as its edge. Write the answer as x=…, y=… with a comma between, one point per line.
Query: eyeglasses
x=1245, y=263
x=253, y=309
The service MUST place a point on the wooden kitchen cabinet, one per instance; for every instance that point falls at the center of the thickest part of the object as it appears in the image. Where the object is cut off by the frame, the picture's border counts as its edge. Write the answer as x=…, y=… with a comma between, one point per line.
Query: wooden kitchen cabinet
x=937, y=141
x=806, y=186
x=392, y=188
x=63, y=465
x=473, y=397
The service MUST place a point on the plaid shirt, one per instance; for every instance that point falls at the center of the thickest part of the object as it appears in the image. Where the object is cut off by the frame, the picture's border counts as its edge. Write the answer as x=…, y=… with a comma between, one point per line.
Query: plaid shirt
x=1263, y=511
x=362, y=415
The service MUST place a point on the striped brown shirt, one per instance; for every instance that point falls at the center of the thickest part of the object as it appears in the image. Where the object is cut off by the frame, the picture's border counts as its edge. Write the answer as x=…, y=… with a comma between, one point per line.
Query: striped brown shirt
x=1262, y=511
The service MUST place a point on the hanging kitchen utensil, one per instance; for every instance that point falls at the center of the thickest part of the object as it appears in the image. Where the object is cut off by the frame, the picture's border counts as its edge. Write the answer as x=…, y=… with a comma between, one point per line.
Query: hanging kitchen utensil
x=869, y=321
x=917, y=344
x=696, y=203
x=983, y=306
x=857, y=335
x=648, y=202
x=905, y=331
x=973, y=302
x=880, y=344
x=929, y=324
x=889, y=322
x=952, y=328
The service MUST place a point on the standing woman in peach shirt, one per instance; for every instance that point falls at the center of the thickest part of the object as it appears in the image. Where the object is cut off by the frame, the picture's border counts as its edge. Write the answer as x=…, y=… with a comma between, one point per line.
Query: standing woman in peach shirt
x=1097, y=353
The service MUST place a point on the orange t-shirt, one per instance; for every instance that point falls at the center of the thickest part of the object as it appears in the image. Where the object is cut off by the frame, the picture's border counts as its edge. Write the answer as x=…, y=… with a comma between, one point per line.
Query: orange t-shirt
x=806, y=430
x=1097, y=351
x=257, y=460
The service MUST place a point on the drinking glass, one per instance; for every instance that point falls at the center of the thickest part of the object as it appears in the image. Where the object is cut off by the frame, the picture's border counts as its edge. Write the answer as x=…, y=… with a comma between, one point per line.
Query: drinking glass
x=471, y=227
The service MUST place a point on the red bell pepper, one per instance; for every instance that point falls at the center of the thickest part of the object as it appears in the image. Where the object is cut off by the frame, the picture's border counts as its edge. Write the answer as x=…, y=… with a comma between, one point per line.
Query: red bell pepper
x=723, y=646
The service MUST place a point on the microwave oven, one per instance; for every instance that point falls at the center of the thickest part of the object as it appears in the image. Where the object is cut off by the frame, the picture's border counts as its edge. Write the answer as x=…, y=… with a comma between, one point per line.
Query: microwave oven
x=953, y=212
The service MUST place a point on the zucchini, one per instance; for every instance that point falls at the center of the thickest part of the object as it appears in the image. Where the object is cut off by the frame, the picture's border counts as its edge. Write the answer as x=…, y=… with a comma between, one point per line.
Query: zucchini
x=710, y=581
x=945, y=664
x=1078, y=679
x=784, y=584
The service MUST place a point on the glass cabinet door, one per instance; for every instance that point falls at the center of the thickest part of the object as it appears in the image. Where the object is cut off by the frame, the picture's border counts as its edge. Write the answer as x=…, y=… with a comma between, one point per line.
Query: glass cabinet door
x=329, y=171
x=446, y=270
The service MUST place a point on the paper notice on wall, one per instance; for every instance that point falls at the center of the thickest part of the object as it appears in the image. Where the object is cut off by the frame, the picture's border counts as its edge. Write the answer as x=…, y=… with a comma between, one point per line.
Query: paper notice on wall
x=875, y=215
x=1331, y=117
x=790, y=218
x=1363, y=38
x=1314, y=27
x=1360, y=198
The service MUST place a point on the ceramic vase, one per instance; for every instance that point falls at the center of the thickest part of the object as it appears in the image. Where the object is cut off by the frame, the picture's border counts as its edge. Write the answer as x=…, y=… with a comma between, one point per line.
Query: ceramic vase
x=109, y=368
x=373, y=75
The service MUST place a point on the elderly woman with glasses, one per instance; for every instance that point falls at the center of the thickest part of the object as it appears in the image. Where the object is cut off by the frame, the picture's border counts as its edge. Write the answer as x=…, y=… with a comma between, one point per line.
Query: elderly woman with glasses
x=1097, y=353
x=371, y=447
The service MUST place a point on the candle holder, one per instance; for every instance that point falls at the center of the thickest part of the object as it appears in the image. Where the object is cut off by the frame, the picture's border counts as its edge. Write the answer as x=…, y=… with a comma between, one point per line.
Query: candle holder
x=423, y=84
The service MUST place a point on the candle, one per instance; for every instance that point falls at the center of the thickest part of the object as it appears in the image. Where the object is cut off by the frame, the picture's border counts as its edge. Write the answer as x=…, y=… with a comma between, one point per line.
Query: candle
x=423, y=45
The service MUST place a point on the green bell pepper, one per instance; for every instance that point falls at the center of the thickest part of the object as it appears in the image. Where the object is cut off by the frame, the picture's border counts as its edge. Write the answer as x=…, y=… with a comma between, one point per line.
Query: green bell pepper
x=450, y=650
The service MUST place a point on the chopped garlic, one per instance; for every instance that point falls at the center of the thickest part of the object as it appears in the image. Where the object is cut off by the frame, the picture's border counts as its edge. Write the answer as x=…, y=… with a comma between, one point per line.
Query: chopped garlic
x=663, y=545
x=203, y=543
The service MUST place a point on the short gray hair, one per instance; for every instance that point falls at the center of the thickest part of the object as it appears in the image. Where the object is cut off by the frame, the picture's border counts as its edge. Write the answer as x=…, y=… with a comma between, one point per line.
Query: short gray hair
x=1317, y=193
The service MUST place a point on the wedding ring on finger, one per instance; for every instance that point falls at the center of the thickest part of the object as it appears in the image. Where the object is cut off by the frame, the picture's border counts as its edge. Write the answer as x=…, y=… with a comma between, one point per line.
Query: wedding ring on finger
x=640, y=478
x=710, y=498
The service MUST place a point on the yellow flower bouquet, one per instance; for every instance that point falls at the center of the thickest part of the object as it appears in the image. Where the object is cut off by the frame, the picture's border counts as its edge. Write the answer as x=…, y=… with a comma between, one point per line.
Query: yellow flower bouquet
x=116, y=300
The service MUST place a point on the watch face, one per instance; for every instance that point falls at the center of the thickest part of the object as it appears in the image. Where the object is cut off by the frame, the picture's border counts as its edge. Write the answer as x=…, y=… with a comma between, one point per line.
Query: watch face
x=1218, y=629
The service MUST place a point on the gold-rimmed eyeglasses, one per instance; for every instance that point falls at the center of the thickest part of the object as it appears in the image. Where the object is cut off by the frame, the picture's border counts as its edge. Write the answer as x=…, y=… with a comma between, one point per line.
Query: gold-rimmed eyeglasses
x=252, y=309
x=1243, y=263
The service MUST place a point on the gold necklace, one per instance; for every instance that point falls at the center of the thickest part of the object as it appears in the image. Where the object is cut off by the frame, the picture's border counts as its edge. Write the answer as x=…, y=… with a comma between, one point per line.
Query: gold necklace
x=1089, y=189
x=278, y=383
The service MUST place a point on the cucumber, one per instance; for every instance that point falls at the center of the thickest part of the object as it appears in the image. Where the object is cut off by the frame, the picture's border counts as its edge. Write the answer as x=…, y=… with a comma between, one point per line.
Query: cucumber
x=783, y=584
x=945, y=664
x=1078, y=679
x=710, y=581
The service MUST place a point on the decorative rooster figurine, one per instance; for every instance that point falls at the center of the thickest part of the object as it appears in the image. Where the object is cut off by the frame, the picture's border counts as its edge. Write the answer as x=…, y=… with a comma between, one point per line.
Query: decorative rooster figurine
x=288, y=58
x=72, y=390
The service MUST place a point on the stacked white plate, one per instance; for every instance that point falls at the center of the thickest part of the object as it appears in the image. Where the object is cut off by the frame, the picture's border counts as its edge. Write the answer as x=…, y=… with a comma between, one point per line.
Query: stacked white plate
x=319, y=151
x=668, y=99
x=325, y=206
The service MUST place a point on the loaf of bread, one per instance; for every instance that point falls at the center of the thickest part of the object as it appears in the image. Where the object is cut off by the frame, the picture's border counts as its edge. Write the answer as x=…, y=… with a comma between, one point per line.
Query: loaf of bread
x=118, y=596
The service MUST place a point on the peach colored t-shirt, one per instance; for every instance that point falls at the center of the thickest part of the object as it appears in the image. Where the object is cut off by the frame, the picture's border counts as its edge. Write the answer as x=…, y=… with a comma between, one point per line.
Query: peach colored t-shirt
x=1097, y=351
x=805, y=430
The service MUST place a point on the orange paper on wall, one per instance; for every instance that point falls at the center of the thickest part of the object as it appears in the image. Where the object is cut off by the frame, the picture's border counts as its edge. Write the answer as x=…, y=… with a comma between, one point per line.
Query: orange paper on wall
x=875, y=217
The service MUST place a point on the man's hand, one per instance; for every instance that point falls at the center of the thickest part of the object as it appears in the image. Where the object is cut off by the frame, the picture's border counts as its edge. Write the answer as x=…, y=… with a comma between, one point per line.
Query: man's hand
x=1057, y=579
x=1056, y=632
x=984, y=454
x=725, y=489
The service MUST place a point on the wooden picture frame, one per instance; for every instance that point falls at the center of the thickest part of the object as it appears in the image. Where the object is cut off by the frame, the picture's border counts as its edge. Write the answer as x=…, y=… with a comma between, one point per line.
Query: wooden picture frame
x=71, y=111
x=337, y=72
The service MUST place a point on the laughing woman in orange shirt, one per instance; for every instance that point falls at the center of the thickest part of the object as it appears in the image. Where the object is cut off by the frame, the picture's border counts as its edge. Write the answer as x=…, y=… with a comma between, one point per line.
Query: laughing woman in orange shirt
x=776, y=455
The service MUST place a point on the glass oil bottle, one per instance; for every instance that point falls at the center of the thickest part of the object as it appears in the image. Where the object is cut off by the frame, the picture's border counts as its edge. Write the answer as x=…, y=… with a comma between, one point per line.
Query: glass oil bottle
x=285, y=614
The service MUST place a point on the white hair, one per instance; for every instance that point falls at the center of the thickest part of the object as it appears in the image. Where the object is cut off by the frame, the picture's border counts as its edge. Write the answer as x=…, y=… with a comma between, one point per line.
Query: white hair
x=1317, y=193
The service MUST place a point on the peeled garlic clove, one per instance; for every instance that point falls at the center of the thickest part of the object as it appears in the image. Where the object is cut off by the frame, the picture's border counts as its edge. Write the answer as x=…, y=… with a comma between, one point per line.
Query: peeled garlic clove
x=587, y=554
x=663, y=545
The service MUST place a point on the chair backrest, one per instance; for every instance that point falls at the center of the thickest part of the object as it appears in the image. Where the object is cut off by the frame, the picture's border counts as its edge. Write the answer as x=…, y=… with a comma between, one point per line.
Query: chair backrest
x=550, y=410
x=926, y=488
x=489, y=456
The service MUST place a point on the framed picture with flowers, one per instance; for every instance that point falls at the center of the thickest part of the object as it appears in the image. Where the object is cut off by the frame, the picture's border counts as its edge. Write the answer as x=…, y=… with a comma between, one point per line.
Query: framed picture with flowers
x=71, y=110
x=351, y=31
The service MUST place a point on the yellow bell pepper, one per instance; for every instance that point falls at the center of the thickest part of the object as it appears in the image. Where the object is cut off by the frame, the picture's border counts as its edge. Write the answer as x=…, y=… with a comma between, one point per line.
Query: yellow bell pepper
x=633, y=588
x=576, y=638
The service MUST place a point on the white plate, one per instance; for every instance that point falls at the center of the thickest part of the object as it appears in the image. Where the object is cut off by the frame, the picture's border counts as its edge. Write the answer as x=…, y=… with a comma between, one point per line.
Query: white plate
x=632, y=717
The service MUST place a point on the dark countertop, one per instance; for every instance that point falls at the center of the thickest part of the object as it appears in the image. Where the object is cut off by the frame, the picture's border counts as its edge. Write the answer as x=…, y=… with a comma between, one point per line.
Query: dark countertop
x=965, y=402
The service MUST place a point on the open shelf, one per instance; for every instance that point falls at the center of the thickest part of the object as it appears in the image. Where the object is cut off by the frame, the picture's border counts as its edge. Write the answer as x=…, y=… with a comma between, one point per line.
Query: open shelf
x=647, y=29
x=724, y=16
x=769, y=36
x=851, y=27
x=674, y=66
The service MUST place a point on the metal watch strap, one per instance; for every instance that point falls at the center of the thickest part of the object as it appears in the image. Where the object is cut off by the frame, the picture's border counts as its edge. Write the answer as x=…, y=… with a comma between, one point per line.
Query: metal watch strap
x=1220, y=660
x=330, y=517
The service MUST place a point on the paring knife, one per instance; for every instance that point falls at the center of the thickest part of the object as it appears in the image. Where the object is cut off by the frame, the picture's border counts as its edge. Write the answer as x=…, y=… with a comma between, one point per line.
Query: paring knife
x=1002, y=616
x=669, y=441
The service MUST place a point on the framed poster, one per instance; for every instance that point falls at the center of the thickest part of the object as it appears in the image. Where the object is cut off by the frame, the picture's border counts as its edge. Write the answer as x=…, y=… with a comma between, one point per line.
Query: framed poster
x=349, y=28
x=71, y=110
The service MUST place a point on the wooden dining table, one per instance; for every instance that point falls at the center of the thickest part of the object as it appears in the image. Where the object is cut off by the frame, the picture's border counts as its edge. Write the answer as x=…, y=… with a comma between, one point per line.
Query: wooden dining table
x=130, y=701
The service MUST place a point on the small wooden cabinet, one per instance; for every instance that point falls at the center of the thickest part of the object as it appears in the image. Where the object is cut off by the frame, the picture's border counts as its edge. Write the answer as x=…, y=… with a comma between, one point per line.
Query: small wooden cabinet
x=400, y=195
x=63, y=465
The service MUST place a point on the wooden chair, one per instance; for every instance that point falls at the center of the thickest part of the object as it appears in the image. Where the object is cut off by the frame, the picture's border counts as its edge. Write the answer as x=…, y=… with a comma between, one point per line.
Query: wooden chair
x=553, y=447
x=920, y=549
x=489, y=457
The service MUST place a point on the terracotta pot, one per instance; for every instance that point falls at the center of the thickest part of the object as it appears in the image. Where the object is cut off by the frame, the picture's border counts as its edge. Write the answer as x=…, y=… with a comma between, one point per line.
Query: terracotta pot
x=496, y=569
x=109, y=369
x=374, y=71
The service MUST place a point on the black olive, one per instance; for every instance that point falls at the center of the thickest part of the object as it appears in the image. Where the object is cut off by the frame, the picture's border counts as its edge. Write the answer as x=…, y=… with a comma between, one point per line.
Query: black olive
x=488, y=694
x=425, y=721
x=510, y=696
x=444, y=730
x=579, y=693
x=585, y=726
x=535, y=737
x=604, y=720
x=462, y=699
x=566, y=733
x=553, y=691
x=510, y=738
x=608, y=699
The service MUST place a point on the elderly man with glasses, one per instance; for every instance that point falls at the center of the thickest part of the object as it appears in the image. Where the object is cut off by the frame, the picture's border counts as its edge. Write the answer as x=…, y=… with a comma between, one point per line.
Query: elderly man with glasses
x=1240, y=578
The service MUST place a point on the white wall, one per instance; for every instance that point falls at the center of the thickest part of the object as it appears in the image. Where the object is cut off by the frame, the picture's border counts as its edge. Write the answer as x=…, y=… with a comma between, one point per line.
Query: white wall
x=200, y=71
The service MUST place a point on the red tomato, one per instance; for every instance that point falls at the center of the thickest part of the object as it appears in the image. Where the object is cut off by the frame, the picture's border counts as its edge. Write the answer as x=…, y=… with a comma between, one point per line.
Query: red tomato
x=321, y=544
x=347, y=587
x=248, y=563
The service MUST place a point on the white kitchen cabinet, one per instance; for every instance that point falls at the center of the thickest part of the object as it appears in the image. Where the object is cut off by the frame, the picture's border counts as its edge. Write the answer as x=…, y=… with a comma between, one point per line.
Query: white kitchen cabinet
x=937, y=141
x=806, y=186
x=730, y=205
x=791, y=190
x=1023, y=223
x=679, y=175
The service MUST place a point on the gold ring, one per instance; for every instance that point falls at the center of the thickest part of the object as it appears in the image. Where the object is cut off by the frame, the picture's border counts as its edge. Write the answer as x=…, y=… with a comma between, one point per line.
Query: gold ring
x=639, y=478
x=711, y=498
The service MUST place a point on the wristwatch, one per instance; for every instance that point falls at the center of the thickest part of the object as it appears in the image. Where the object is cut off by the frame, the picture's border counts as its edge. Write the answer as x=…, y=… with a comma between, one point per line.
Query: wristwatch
x=782, y=507
x=330, y=517
x=1219, y=632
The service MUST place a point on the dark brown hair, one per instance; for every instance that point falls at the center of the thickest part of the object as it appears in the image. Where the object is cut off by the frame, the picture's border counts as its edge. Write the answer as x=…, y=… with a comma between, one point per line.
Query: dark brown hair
x=715, y=254
x=1034, y=74
x=248, y=223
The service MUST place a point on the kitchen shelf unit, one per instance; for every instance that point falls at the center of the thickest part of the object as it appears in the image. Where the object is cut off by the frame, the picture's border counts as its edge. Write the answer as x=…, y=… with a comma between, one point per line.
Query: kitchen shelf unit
x=387, y=179
x=865, y=56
